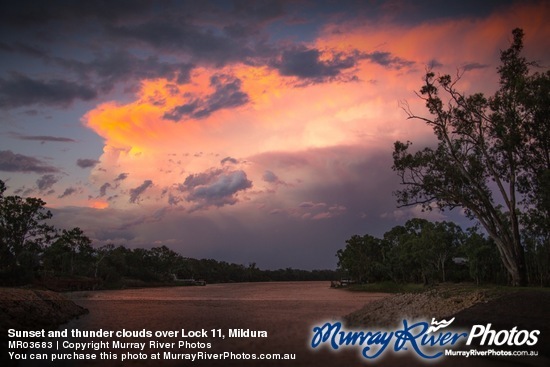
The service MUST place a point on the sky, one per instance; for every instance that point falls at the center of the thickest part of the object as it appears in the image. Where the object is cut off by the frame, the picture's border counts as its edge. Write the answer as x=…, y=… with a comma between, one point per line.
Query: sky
x=243, y=131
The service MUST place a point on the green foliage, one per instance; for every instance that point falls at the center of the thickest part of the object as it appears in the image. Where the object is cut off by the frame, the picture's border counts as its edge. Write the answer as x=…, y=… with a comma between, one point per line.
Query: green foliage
x=362, y=258
x=422, y=252
x=23, y=236
x=490, y=151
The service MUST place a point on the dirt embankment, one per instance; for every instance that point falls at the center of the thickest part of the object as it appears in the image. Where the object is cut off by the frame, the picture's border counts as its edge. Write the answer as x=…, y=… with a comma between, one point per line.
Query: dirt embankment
x=413, y=306
x=29, y=309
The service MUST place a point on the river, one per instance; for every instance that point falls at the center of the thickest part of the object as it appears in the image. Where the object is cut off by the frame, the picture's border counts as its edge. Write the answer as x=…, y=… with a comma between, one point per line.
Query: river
x=287, y=311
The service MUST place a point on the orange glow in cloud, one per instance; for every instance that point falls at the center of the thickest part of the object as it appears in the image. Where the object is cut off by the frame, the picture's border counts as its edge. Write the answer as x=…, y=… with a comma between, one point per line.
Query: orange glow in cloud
x=98, y=204
x=453, y=43
x=280, y=117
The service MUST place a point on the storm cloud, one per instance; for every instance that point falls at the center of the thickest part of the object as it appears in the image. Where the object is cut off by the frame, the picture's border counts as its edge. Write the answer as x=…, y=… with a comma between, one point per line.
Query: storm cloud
x=215, y=188
x=227, y=94
x=86, y=163
x=473, y=66
x=46, y=182
x=68, y=192
x=121, y=177
x=388, y=60
x=20, y=90
x=14, y=162
x=43, y=138
x=137, y=191
x=306, y=63
x=122, y=66
x=103, y=189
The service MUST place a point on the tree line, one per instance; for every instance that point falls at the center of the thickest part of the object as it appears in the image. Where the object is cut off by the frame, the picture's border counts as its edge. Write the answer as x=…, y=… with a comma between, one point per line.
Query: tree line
x=428, y=252
x=31, y=250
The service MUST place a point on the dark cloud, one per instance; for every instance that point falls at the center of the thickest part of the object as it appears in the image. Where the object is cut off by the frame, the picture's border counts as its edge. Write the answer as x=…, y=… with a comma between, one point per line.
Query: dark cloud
x=259, y=11
x=198, y=179
x=238, y=30
x=121, y=177
x=122, y=66
x=114, y=235
x=23, y=191
x=386, y=59
x=212, y=32
x=348, y=179
x=46, y=182
x=103, y=189
x=21, y=90
x=130, y=40
x=307, y=64
x=86, y=163
x=269, y=176
x=145, y=41
x=229, y=160
x=13, y=162
x=43, y=138
x=173, y=200
x=23, y=48
x=215, y=188
x=182, y=36
x=272, y=178
x=68, y=192
x=227, y=94
x=474, y=66
x=21, y=14
x=136, y=192
x=434, y=63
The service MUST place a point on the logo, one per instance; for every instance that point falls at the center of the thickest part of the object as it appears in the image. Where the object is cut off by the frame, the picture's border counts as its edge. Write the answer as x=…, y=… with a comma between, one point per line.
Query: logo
x=439, y=325
x=428, y=341
x=503, y=337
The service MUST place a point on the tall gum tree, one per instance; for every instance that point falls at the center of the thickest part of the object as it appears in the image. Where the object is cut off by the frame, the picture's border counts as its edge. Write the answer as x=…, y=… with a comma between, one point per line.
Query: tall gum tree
x=23, y=233
x=492, y=154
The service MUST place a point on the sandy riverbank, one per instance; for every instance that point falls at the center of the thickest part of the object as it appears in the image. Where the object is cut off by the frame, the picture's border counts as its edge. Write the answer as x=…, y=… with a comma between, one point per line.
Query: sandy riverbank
x=414, y=306
x=31, y=309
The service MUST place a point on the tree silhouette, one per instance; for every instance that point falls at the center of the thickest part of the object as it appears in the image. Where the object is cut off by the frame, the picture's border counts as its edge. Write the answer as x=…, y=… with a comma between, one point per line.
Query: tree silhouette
x=492, y=155
x=23, y=234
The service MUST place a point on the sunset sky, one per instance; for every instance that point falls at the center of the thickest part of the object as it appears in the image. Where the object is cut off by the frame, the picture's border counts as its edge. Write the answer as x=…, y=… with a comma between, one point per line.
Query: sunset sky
x=244, y=131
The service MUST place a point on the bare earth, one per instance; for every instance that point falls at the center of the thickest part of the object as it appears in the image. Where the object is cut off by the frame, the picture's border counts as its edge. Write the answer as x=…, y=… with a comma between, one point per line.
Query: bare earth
x=30, y=309
x=427, y=305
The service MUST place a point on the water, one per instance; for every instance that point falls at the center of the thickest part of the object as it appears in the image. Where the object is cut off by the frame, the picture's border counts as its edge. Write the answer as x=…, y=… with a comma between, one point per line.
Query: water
x=287, y=311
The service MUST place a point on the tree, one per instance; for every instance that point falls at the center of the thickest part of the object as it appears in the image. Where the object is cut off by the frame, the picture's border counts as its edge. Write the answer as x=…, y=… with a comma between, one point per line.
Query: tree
x=447, y=238
x=164, y=262
x=482, y=255
x=23, y=234
x=80, y=249
x=479, y=163
x=100, y=254
x=362, y=258
x=70, y=254
x=422, y=248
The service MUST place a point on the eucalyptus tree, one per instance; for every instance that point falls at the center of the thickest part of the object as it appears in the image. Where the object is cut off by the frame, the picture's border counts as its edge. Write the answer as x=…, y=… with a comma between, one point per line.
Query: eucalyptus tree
x=24, y=233
x=492, y=156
